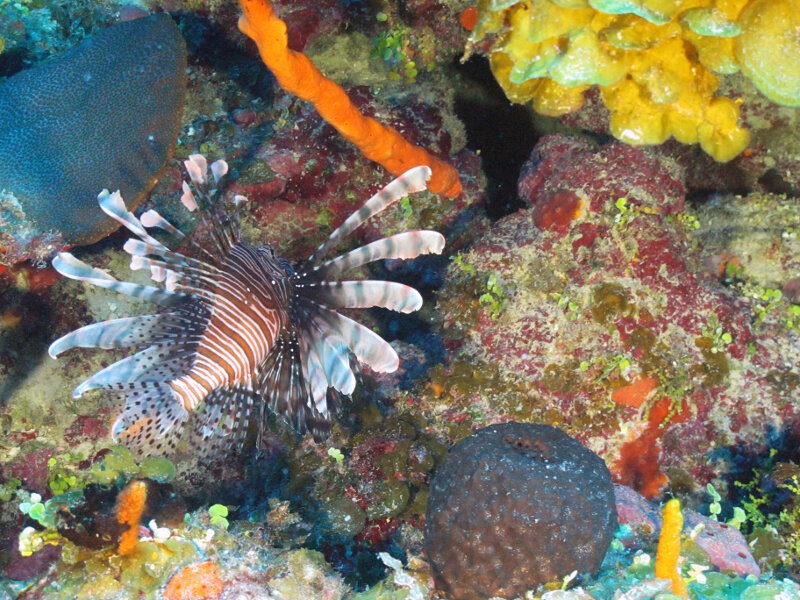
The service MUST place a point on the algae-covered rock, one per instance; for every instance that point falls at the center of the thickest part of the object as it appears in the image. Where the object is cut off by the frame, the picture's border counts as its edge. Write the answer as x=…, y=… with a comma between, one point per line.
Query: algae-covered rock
x=307, y=575
x=343, y=517
x=388, y=500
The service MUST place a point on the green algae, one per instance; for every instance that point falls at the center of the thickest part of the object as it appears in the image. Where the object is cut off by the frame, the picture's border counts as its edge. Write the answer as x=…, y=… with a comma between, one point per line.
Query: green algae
x=120, y=465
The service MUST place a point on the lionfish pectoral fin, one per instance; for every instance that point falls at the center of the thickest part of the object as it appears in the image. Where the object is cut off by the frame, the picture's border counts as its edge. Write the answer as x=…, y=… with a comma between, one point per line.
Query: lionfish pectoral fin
x=289, y=388
x=365, y=294
x=152, y=420
x=154, y=365
x=69, y=266
x=412, y=181
x=115, y=333
x=409, y=244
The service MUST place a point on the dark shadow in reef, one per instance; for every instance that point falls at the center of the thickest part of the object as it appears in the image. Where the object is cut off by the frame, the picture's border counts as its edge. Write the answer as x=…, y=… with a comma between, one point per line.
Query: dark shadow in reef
x=764, y=475
x=24, y=345
x=209, y=46
x=503, y=133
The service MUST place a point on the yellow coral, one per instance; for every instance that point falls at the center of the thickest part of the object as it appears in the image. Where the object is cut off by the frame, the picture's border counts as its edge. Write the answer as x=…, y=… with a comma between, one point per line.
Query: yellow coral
x=769, y=47
x=655, y=61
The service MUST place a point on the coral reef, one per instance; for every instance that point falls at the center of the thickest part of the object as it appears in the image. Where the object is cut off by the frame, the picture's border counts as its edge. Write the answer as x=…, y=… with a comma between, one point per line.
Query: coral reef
x=656, y=64
x=516, y=506
x=613, y=296
x=107, y=111
x=645, y=300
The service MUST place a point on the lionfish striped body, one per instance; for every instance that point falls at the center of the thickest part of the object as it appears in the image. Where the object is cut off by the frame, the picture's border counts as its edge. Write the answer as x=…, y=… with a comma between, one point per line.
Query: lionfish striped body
x=240, y=330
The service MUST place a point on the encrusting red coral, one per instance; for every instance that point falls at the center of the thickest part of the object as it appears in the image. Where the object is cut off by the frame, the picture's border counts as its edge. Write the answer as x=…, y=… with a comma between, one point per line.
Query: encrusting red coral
x=298, y=75
x=200, y=581
x=130, y=506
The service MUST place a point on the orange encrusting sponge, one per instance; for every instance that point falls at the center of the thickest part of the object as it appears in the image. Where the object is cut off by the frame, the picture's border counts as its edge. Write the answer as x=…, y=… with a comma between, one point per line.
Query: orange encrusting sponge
x=130, y=506
x=669, y=548
x=298, y=75
x=200, y=581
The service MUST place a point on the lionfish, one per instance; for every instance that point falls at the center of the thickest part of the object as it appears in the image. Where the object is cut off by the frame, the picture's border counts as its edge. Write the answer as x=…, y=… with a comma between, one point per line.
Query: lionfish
x=239, y=331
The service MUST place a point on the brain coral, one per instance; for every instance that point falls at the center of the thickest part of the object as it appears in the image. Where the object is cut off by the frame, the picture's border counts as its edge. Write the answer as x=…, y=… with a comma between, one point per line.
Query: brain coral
x=514, y=506
x=103, y=115
x=656, y=62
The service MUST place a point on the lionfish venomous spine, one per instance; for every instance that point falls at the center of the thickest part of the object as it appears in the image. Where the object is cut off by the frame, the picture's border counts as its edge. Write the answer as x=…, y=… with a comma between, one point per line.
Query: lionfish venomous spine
x=239, y=330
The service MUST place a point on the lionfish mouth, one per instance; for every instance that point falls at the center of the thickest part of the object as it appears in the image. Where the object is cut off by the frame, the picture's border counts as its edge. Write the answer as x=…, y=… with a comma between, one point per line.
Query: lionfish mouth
x=239, y=331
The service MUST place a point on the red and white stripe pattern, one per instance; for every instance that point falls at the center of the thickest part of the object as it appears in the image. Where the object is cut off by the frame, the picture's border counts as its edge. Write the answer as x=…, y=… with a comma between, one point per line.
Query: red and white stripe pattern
x=246, y=317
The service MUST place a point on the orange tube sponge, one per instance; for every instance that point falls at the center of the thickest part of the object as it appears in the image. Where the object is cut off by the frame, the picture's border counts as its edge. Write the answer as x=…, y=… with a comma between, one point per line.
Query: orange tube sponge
x=298, y=75
x=669, y=547
x=130, y=506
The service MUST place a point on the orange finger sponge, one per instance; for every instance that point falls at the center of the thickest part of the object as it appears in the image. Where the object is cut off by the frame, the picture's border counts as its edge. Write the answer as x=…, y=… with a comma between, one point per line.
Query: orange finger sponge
x=669, y=548
x=130, y=506
x=298, y=75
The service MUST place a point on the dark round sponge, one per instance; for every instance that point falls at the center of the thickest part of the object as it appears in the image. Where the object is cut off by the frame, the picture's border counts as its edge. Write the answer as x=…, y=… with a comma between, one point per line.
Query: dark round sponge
x=514, y=506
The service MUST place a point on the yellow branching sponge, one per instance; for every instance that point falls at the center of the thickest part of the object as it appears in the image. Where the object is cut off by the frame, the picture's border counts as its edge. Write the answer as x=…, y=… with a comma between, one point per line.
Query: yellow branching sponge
x=669, y=548
x=656, y=62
